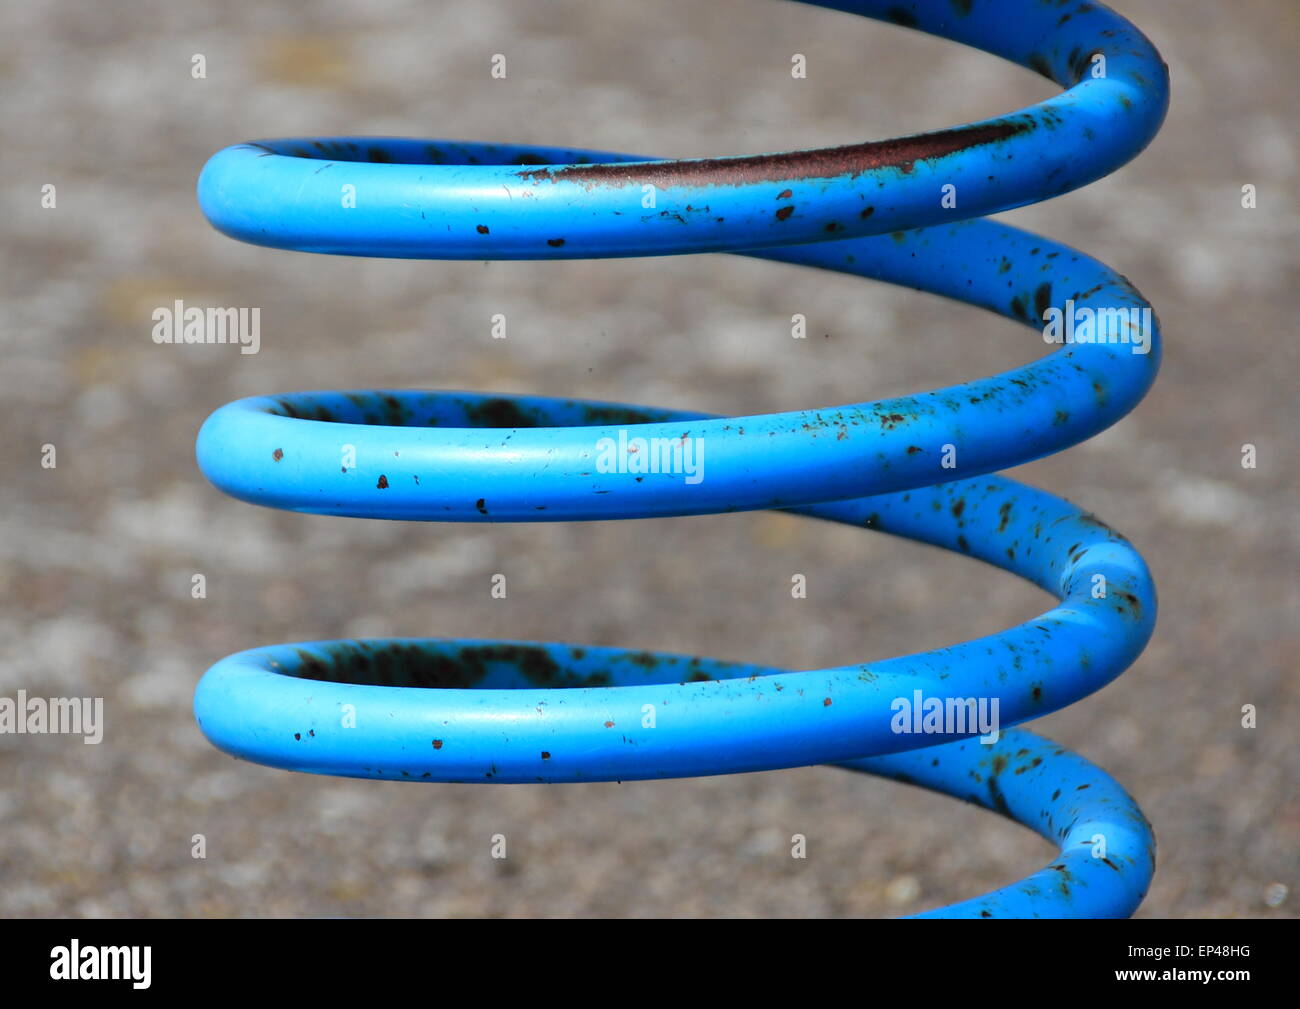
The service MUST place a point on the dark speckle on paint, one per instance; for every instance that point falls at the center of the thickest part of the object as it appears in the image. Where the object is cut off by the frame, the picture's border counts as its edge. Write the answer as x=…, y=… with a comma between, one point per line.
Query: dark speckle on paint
x=1040, y=65
x=901, y=16
x=1043, y=299
x=555, y=243
x=1134, y=604
x=996, y=799
x=481, y=505
x=498, y=412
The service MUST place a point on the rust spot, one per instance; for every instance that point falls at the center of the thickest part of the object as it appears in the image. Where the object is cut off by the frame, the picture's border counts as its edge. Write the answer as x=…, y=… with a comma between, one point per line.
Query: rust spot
x=826, y=702
x=784, y=212
x=482, y=229
x=278, y=454
x=382, y=484
x=785, y=194
x=437, y=744
x=823, y=163
x=555, y=243
x=609, y=725
x=546, y=754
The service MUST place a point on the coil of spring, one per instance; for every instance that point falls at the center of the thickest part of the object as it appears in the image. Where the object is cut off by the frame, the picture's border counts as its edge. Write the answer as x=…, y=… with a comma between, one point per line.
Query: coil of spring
x=491, y=711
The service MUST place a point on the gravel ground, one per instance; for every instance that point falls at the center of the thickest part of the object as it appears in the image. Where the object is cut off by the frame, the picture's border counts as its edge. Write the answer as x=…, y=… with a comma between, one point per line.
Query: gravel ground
x=96, y=555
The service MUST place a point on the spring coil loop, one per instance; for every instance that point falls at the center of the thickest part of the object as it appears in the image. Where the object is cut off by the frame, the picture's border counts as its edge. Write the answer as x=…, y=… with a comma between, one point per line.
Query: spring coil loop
x=528, y=712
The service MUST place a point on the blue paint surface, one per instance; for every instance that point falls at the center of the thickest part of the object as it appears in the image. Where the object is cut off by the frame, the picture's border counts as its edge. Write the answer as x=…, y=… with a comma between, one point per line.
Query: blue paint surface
x=433, y=710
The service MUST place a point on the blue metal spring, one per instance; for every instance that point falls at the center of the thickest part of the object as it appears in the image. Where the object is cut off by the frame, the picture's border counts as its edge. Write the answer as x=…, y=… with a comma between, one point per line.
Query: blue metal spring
x=491, y=711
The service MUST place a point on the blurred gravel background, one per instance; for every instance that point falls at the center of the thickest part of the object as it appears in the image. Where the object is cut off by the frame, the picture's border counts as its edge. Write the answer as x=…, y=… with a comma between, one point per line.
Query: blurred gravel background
x=96, y=556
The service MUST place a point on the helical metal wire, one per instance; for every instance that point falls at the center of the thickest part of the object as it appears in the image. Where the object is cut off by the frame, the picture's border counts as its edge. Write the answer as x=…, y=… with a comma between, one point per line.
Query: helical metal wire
x=491, y=711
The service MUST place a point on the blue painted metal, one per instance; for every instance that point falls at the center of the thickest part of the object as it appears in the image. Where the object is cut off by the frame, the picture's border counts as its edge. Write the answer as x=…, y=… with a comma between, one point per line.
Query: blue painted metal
x=454, y=710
